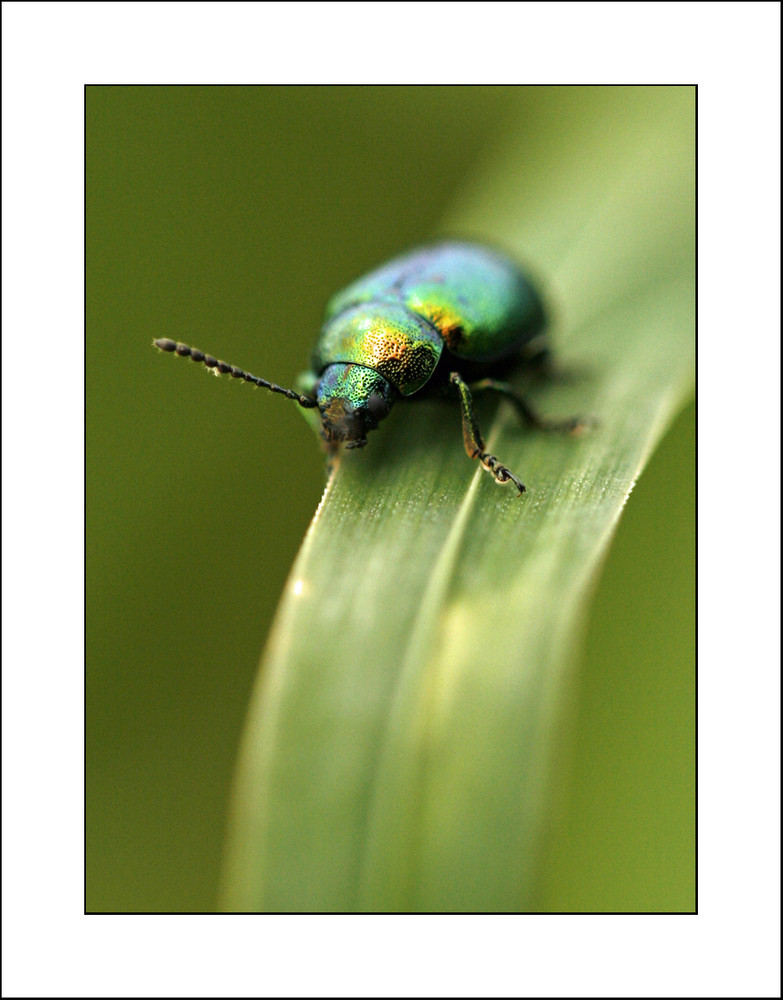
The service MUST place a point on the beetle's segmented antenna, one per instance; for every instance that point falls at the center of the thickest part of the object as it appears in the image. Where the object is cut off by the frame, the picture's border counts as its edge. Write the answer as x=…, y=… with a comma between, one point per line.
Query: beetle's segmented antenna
x=221, y=368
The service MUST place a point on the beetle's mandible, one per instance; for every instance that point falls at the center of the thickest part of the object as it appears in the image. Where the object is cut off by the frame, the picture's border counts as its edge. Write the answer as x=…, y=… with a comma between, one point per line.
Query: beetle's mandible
x=441, y=319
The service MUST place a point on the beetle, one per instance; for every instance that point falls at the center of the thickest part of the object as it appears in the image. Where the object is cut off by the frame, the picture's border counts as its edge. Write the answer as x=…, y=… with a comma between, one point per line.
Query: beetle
x=427, y=322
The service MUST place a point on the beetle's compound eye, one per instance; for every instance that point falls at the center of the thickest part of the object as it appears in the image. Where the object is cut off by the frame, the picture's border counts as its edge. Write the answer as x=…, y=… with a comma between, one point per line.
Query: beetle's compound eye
x=377, y=409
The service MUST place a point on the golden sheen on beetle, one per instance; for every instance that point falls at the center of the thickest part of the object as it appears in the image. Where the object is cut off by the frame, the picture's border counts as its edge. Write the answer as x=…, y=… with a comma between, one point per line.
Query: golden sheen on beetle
x=444, y=319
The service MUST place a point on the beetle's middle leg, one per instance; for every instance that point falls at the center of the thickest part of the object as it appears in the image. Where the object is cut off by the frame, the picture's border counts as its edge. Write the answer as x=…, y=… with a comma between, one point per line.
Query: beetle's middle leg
x=571, y=425
x=474, y=443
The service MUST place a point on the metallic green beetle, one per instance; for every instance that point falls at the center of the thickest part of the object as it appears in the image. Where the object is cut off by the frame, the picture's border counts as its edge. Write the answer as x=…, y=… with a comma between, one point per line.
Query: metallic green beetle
x=422, y=324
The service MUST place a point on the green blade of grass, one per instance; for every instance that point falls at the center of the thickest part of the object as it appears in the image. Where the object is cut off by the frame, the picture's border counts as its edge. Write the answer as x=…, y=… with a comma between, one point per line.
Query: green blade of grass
x=398, y=747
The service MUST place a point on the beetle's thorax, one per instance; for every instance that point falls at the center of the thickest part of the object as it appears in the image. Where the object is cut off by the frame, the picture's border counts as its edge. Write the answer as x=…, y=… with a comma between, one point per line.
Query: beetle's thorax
x=352, y=400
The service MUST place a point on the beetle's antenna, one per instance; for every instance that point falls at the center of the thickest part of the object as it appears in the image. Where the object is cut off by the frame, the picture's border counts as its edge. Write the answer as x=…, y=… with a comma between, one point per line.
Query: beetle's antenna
x=221, y=368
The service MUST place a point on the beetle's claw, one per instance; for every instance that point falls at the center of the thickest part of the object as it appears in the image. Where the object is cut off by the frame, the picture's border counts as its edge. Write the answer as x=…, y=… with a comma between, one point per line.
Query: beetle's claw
x=507, y=474
x=575, y=426
x=581, y=425
x=500, y=472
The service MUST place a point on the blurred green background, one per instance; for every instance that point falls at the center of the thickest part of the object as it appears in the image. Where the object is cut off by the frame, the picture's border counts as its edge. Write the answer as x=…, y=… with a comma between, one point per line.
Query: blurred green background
x=226, y=216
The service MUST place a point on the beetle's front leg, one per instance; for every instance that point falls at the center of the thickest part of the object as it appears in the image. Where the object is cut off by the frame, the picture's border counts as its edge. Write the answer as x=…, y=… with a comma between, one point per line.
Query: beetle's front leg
x=474, y=443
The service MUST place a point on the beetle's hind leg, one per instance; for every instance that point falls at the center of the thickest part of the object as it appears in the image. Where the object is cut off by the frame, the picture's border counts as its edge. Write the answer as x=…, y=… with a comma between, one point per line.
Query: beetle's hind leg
x=474, y=443
x=571, y=425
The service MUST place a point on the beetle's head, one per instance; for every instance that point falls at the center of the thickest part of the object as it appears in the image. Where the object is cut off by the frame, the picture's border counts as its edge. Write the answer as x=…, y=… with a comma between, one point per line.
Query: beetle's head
x=353, y=400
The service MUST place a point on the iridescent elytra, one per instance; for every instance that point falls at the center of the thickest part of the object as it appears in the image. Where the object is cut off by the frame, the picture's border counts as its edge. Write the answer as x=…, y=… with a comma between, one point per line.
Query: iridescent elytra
x=442, y=319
